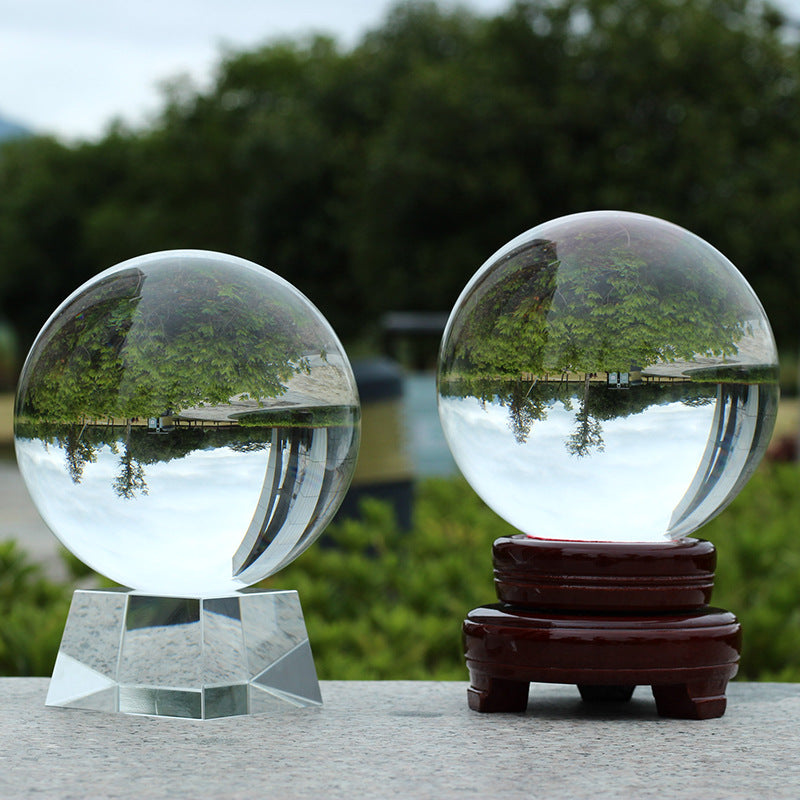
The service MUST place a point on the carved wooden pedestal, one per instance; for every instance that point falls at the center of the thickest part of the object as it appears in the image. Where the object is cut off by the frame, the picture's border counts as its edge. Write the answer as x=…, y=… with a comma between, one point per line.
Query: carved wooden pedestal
x=607, y=617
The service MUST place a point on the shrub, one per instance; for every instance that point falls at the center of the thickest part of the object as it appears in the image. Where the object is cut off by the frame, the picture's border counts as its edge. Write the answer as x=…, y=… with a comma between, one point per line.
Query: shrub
x=386, y=604
x=758, y=571
x=33, y=610
x=382, y=603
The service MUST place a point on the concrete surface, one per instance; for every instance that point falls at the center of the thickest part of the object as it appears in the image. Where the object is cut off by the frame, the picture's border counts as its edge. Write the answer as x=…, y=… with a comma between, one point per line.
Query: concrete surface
x=408, y=740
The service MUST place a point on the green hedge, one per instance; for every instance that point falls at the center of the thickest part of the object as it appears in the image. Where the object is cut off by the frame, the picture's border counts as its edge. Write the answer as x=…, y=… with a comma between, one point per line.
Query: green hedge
x=758, y=571
x=398, y=614
x=32, y=615
x=381, y=603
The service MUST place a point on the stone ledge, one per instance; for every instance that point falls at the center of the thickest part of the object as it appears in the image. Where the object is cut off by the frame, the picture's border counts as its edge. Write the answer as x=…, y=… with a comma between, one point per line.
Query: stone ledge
x=406, y=739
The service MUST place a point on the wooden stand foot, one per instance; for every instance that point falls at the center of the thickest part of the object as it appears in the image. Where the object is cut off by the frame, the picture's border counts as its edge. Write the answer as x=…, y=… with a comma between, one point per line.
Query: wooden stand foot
x=495, y=694
x=696, y=700
x=605, y=694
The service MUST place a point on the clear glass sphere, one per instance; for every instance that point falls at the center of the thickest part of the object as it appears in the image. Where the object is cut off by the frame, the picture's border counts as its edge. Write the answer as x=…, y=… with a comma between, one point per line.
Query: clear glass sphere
x=187, y=423
x=607, y=376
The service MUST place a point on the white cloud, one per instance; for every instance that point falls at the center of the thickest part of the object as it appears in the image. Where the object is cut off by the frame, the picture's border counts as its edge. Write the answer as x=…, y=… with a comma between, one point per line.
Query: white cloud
x=188, y=525
x=627, y=492
x=70, y=68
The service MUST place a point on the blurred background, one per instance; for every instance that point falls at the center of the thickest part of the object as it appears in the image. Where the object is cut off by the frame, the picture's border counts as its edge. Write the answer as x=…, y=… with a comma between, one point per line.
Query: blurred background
x=375, y=155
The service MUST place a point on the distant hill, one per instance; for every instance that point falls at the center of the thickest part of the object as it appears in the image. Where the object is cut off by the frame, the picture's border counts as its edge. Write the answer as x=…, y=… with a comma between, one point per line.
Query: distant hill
x=12, y=130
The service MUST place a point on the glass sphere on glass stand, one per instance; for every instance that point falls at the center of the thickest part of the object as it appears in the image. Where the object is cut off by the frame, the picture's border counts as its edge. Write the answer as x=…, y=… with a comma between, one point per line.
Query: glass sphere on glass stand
x=187, y=423
x=609, y=380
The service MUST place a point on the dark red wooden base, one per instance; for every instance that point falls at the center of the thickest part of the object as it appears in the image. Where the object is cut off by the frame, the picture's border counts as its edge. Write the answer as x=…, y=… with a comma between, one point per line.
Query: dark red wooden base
x=614, y=617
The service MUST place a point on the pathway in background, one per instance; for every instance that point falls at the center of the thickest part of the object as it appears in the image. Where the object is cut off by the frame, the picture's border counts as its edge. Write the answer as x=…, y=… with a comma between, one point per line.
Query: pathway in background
x=20, y=520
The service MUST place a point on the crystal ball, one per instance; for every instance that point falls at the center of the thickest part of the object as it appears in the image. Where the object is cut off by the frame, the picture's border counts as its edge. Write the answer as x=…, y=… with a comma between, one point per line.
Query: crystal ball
x=607, y=376
x=187, y=423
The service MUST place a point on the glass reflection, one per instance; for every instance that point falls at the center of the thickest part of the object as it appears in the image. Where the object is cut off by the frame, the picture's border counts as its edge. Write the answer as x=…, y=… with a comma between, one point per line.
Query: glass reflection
x=187, y=423
x=608, y=464
x=607, y=376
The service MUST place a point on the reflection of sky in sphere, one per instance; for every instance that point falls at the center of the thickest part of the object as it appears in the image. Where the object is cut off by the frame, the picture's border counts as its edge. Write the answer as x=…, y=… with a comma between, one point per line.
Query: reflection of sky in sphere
x=183, y=530
x=627, y=492
x=187, y=423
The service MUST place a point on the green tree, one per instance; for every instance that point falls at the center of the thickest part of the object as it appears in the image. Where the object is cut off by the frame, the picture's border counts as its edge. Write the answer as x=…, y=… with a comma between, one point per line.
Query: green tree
x=143, y=345
x=588, y=434
x=379, y=177
x=611, y=292
x=131, y=478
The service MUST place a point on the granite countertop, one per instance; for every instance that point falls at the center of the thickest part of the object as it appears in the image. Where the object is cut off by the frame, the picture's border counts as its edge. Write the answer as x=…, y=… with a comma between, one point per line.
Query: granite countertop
x=412, y=739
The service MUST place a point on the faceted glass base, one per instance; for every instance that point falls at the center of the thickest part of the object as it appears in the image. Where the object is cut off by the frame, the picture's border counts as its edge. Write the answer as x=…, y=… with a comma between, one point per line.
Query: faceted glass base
x=205, y=658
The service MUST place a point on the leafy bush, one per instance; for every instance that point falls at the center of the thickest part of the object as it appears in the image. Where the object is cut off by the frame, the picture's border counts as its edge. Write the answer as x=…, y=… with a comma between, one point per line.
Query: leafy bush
x=382, y=603
x=33, y=611
x=758, y=571
x=388, y=605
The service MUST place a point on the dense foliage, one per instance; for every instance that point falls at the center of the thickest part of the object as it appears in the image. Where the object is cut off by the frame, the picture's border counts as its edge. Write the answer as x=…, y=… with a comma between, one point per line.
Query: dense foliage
x=140, y=344
x=398, y=614
x=602, y=294
x=382, y=603
x=33, y=610
x=758, y=572
x=381, y=176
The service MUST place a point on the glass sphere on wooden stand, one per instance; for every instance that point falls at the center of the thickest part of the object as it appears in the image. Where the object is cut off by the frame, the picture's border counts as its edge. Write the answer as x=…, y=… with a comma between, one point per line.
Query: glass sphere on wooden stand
x=607, y=383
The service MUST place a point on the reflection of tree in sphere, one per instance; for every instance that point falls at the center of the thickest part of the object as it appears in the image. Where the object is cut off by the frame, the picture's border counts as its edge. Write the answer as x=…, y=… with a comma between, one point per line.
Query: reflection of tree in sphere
x=187, y=423
x=607, y=376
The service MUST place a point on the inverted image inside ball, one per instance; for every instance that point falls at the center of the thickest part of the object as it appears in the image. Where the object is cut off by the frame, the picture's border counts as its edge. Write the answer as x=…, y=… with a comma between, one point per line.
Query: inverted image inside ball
x=187, y=423
x=607, y=376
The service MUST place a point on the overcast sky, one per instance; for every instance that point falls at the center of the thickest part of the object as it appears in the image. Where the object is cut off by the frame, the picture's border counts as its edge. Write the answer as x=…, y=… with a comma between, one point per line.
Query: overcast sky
x=69, y=68
x=628, y=490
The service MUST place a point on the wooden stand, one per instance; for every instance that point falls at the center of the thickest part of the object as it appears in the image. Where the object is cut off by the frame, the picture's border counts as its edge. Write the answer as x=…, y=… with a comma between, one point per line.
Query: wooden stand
x=607, y=617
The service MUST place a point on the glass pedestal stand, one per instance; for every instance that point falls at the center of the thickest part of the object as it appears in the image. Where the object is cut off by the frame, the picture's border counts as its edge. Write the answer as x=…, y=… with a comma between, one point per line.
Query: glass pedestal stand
x=201, y=658
x=606, y=617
